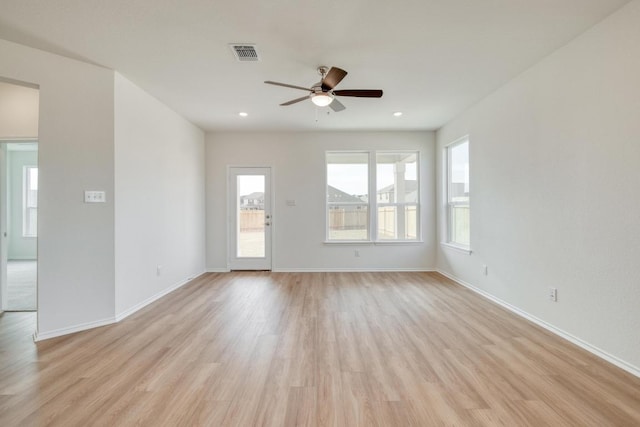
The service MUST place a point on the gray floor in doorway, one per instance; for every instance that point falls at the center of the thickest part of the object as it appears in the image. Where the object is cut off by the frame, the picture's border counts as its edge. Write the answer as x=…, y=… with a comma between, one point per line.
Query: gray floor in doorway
x=21, y=285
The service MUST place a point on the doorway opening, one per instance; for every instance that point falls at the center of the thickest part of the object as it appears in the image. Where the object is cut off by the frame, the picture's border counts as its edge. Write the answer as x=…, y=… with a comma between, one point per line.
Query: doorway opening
x=19, y=261
x=19, y=108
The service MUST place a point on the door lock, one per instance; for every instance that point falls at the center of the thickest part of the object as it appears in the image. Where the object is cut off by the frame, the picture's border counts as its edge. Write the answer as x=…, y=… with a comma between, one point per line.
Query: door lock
x=267, y=223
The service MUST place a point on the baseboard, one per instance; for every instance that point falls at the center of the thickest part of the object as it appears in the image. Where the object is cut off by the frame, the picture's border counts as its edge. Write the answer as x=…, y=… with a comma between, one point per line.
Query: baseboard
x=41, y=336
x=634, y=370
x=37, y=336
x=128, y=312
x=218, y=270
x=350, y=270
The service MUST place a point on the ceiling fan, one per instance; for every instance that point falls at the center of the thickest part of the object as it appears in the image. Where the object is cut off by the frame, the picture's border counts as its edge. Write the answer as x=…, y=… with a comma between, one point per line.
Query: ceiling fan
x=323, y=93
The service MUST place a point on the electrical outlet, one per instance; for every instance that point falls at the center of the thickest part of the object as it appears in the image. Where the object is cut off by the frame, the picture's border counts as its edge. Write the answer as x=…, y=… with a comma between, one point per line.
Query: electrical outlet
x=158, y=270
x=356, y=253
x=553, y=294
x=485, y=270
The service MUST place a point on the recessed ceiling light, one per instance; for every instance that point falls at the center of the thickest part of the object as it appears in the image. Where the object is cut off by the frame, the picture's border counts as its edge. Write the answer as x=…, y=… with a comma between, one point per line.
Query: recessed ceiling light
x=243, y=114
x=397, y=113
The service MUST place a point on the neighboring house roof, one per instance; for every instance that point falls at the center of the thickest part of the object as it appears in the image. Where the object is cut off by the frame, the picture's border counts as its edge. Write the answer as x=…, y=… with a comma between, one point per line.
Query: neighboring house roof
x=254, y=196
x=335, y=195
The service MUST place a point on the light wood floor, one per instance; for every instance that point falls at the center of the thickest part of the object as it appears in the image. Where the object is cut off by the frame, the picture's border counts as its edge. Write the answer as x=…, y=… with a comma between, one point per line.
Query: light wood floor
x=21, y=285
x=343, y=349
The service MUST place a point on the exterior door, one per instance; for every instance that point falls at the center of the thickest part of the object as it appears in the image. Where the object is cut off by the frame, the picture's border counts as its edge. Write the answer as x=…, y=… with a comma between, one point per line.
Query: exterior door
x=250, y=218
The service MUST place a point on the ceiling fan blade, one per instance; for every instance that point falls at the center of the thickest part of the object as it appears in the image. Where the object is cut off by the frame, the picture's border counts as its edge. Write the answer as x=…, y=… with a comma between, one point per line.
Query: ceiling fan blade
x=293, y=101
x=361, y=93
x=333, y=77
x=269, y=82
x=336, y=105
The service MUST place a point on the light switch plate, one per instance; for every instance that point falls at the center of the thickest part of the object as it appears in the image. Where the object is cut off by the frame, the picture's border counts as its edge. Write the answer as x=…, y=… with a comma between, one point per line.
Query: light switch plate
x=95, y=197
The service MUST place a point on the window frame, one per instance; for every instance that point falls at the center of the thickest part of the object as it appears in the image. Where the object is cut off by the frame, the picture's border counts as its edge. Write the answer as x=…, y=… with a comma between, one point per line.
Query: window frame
x=449, y=204
x=372, y=204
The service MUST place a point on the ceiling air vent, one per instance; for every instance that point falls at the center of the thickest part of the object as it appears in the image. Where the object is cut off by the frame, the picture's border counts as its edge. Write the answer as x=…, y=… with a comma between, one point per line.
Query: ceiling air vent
x=245, y=52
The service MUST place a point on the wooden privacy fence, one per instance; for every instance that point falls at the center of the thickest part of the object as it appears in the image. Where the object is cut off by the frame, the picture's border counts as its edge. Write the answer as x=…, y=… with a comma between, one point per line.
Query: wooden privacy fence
x=387, y=222
x=348, y=219
x=345, y=219
x=251, y=220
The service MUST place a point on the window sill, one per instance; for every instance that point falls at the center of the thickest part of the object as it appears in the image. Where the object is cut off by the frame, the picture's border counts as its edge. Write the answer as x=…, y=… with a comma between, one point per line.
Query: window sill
x=464, y=249
x=371, y=242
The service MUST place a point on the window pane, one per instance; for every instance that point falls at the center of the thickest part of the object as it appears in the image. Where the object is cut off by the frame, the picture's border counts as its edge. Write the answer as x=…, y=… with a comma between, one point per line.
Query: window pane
x=348, y=222
x=30, y=202
x=32, y=222
x=33, y=179
x=387, y=224
x=348, y=177
x=459, y=185
x=460, y=224
x=396, y=177
x=411, y=222
x=251, y=241
x=389, y=228
x=348, y=196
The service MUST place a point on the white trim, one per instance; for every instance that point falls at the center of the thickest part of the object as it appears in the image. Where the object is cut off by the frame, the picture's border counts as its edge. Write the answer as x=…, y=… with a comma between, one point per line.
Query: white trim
x=117, y=318
x=350, y=269
x=41, y=336
x=128, y=312
x=370, y=242
x=634, y=370
x=459, y=248
x=348, y=242
x=218, y=270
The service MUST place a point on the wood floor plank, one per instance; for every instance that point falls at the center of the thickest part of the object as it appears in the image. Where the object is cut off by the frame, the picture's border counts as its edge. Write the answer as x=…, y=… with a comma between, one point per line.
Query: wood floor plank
x=312, y=349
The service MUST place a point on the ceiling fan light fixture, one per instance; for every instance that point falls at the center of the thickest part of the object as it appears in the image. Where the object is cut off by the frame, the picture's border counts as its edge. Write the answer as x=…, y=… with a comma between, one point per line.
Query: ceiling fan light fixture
x=322, y=99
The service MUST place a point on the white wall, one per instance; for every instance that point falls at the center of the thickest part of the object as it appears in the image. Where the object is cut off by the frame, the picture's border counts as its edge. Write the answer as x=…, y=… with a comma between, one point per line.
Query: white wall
x=19, y=247
x=159, y=185
x=75, y=250
x=298, y=172
x=554, y=189
x=18, y=111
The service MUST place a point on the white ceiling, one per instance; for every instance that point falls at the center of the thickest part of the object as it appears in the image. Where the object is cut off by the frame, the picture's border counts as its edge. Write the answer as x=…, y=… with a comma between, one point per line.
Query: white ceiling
x=432, y=58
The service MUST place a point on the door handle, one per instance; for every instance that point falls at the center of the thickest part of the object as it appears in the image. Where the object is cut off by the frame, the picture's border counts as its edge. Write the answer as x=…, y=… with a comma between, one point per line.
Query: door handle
x=267, y=223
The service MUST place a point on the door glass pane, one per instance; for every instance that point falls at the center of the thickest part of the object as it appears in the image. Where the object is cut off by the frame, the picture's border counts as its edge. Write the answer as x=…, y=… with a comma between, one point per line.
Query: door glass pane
x=251, y=227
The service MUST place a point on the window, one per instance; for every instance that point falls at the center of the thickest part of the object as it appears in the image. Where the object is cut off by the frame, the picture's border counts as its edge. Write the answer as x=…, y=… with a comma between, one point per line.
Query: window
x=355, y=214
x=458, y=193
x=30, y=202
x=397, y=195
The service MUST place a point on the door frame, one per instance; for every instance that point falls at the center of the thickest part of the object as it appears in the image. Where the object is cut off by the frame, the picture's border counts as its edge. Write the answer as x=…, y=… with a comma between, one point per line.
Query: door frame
x=231, y=212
